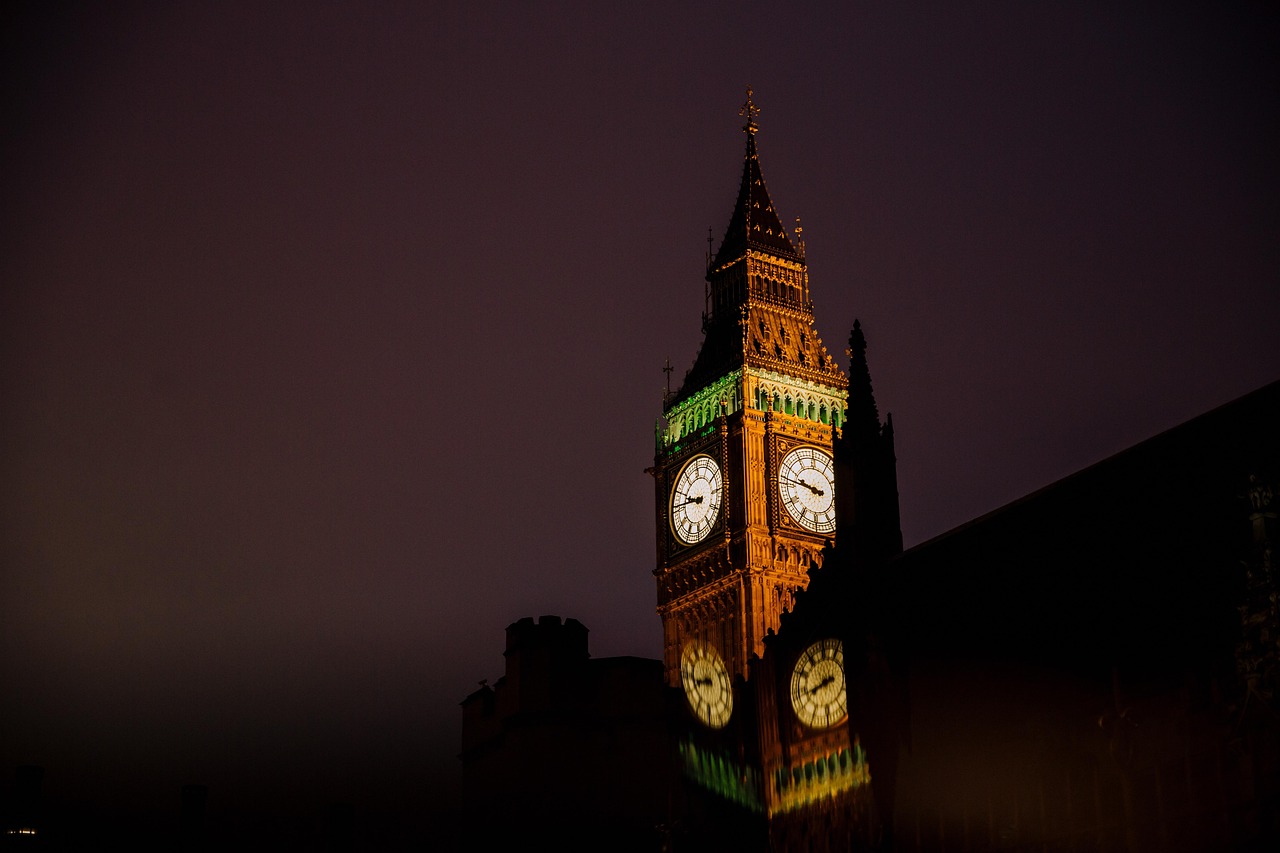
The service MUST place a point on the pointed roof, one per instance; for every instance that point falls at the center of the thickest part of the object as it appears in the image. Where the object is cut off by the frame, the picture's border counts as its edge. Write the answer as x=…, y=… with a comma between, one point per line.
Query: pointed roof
x=764, y=338
x=751, y=327
x=863, y=417
x=754, y=223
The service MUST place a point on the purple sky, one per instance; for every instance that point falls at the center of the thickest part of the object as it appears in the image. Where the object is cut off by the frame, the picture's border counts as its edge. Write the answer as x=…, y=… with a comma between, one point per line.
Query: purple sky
x=333, y=333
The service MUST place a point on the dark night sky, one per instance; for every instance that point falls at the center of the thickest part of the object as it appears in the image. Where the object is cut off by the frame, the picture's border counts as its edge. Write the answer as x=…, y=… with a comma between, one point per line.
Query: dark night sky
x=332, y=333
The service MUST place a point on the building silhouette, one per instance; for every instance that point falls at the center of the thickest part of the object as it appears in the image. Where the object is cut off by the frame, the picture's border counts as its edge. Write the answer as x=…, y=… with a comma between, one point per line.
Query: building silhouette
x=564, y=750
x=1091, y=667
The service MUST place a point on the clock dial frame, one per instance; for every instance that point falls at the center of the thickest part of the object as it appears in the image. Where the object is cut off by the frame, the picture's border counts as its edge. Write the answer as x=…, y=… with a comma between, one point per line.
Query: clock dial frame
x=818, y=693
x=695, y=499
x=706, y=684
x=806, y=484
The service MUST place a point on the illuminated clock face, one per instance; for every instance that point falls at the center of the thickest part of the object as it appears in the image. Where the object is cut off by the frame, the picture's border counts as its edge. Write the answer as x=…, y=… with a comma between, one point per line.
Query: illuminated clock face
x=817, y=685
x=706, y=684
x=806, y=481
x=695, y=500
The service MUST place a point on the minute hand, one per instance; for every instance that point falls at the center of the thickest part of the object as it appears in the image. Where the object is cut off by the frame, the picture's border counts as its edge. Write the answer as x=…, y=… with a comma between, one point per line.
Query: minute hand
x=814, y=489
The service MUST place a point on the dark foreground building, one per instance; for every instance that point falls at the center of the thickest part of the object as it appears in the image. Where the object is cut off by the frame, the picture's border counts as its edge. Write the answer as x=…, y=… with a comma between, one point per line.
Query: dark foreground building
x=565, y=751
x=1092, y=667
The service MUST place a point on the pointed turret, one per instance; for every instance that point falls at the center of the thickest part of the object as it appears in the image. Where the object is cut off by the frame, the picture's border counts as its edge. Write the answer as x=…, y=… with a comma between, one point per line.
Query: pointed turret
x=869, y=529
x=864, y=417
x=754, y=223
x=758, y=310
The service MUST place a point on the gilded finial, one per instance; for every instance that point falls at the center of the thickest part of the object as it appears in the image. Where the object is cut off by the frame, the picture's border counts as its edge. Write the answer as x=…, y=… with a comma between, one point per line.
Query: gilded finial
x=799, y=237
x=750, y=111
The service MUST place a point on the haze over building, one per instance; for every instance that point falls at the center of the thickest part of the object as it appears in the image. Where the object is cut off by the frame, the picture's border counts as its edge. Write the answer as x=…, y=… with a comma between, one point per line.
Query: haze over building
x=317, y=320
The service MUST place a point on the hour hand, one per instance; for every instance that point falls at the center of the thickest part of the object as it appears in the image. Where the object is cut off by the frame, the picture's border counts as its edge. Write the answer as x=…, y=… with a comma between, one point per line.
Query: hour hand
x=814, y=489
x=821, y=684
x=696, y=500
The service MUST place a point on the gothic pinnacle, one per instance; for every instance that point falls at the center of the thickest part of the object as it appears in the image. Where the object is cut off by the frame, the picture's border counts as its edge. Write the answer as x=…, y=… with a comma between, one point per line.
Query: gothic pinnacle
x=750, y=111
x=862, y=401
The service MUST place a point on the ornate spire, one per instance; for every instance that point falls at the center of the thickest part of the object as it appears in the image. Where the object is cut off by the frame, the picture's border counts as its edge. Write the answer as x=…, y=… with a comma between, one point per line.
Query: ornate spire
x=754, y=224
x=869, y=525
x=864, y=417
x=750, y=111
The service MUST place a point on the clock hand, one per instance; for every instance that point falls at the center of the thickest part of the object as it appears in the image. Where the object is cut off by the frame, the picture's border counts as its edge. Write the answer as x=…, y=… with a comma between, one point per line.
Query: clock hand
x=815, y=490
x=702, y=681
x=696, y=500
x=821, y=684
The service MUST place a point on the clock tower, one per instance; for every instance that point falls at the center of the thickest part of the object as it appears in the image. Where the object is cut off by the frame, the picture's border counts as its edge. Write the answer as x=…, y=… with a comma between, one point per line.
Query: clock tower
x=744, y=472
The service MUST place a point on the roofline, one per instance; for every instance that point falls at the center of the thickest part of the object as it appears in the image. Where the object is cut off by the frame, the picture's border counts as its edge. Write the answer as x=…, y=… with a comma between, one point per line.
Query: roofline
x=1271, y=387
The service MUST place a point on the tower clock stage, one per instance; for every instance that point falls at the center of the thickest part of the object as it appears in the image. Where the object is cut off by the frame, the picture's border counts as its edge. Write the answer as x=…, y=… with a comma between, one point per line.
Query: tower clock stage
x=822, y=689
x=745, y=482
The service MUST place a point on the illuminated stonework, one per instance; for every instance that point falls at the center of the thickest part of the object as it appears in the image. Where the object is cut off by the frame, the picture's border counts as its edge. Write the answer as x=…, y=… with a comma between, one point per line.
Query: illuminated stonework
x=765, y=390
x=761, y=386
x=814, y=782
x=820, y=779
x=700, y=410
x=806, y=400
x=732, y=780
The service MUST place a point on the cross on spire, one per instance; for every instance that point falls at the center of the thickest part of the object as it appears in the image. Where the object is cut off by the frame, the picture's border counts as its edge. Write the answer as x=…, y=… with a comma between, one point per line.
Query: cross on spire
x=750, y=111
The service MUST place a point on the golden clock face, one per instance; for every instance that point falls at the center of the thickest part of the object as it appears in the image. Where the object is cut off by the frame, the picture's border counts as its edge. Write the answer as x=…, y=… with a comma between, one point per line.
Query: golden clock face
x=806, y=482
x=817, y=685
x=706, y=684
x=695, y=499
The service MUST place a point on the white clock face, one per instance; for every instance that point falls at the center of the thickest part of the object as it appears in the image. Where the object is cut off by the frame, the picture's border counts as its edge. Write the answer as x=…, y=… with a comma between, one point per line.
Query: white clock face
x=817, y=685
x=806, y=482
x=706, y=684
x=695, y=500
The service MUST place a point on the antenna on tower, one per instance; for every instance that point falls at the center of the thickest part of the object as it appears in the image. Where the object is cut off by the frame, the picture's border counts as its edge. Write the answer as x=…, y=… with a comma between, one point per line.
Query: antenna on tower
x=710, y=240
